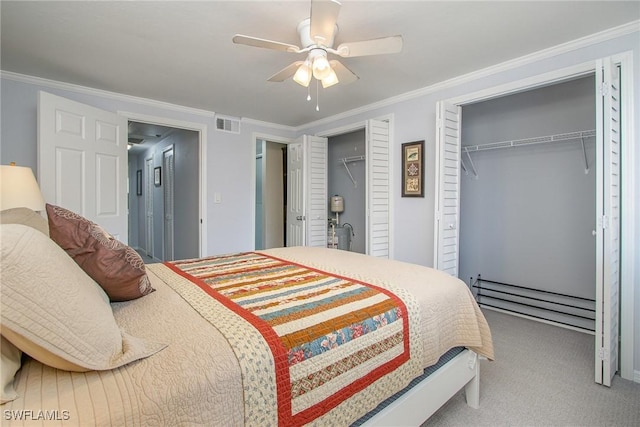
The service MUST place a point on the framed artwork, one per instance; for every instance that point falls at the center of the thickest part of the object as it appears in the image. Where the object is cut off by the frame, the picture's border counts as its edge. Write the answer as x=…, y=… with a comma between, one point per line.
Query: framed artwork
x=413, y=169
x=139, y=182
x=157, y=176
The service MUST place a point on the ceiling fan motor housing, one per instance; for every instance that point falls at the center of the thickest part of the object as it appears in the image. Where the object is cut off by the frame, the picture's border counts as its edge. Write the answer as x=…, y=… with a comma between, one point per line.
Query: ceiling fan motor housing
x=304, y=31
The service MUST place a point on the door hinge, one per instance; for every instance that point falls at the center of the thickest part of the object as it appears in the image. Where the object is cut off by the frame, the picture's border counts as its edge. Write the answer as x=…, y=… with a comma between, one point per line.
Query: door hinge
x=602, y=355
x=604, y=221
x=604, y=88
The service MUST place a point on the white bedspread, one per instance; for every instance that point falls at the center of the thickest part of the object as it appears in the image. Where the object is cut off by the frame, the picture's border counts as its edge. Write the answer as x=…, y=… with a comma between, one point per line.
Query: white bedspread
x=196, y=379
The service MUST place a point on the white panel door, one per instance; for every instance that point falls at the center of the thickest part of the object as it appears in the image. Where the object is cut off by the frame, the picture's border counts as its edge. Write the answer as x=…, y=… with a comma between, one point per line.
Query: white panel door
x=316, y=197
x=447, y=206
x=168, y=175
x=148, y=202
x=295, y=194
x=378, y=172
x=82, y=161
x=607, y=220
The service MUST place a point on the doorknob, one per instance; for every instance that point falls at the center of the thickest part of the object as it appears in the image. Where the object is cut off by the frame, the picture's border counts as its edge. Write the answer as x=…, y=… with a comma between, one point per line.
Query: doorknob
x=299, y=217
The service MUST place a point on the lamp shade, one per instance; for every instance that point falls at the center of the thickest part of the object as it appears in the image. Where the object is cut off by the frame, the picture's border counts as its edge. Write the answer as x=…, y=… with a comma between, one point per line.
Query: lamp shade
x=19, y=189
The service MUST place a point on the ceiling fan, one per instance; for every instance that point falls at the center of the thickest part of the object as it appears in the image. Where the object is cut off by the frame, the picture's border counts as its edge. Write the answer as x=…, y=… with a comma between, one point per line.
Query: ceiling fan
x=317, y=35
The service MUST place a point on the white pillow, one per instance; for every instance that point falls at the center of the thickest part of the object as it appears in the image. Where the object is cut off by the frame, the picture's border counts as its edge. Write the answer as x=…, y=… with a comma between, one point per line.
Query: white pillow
x=54, y=312
x=9, y=365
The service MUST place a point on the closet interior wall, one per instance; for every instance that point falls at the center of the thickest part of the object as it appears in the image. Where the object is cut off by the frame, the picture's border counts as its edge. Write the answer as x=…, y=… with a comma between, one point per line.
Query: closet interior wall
x=349, y=181
x=527, y=217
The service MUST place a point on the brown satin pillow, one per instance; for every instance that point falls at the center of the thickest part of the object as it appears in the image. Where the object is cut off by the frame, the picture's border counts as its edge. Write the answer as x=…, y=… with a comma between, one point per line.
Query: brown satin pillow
x=115, y=266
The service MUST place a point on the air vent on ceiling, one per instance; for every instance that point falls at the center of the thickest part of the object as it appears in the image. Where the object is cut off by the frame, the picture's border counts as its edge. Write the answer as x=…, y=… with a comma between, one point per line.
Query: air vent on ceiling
x=228, y=124
x=135, y=140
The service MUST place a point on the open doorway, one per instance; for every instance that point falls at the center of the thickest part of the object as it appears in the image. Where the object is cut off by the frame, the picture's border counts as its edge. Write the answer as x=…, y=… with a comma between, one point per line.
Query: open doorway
x=309, y=195
x=271, y=194
x=164, y=178
x=347, y=179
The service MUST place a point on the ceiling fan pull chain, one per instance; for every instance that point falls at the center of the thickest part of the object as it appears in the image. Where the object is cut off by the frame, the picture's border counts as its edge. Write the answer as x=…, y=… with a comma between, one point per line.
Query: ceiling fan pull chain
x=308, y=93
x=317, y=95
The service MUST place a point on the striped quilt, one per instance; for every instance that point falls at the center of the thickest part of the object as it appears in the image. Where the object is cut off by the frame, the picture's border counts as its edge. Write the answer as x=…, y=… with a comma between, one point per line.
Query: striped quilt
x=310, y=344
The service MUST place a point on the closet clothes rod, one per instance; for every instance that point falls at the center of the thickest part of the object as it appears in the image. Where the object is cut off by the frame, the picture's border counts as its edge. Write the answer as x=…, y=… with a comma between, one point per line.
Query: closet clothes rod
x=531, y=141
x=351, y=159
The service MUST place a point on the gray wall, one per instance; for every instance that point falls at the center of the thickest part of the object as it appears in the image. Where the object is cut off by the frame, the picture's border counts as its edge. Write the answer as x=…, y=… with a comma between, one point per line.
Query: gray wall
x=528, y=217
x=347, y=145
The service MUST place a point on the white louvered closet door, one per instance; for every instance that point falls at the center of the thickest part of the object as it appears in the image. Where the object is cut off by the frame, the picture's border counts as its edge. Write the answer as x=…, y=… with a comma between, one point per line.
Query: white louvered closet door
x=447, y=206
x=378, y=172
x=317, y=199
x=607, y=220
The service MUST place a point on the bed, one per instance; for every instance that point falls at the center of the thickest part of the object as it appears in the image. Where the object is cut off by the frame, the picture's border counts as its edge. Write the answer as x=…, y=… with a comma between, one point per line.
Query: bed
x=208, y=342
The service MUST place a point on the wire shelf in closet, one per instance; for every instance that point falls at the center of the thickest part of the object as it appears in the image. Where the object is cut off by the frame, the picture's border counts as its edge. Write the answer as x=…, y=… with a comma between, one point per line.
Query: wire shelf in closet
x=568, y=136
x=530, y=141
x=351, y=159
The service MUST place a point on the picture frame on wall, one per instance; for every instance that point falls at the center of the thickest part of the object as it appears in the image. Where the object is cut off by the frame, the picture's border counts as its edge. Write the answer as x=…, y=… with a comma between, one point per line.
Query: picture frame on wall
x=413, y=169
x=139, y=182
x=157, y=176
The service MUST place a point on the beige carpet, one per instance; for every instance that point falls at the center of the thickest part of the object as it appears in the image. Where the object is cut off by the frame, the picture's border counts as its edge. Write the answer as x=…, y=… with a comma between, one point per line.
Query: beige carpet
x=543, y=375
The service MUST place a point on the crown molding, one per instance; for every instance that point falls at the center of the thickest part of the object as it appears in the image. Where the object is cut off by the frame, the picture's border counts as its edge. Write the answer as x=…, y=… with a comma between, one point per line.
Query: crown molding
x=23, y=78
x=576, y=44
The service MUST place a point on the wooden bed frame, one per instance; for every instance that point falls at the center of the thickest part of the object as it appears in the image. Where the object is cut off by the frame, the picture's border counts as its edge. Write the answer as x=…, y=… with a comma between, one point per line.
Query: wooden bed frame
x=420, y=402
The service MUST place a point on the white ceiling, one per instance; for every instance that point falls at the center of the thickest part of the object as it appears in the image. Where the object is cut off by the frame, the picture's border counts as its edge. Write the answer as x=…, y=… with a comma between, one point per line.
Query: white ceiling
x=182, y=53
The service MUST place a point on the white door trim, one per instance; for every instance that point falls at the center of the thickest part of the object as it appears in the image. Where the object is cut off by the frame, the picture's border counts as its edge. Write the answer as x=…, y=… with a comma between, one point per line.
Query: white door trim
x=627, y=279
x=202, y=129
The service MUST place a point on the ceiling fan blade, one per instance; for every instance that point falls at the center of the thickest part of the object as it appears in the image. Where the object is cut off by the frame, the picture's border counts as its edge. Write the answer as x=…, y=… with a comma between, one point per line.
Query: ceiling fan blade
x=345, y=75
x=380, y=46
x=286, y=72
x=324, y=14
x=267, y=44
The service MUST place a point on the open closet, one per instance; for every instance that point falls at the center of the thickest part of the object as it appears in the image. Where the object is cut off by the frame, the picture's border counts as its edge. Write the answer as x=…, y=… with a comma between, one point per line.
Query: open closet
x=528, y=200
x=347, y=179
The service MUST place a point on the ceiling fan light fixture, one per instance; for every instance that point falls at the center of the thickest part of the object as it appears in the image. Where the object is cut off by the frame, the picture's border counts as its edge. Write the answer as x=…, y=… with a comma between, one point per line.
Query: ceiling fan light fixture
x=330, y=80
x=321, y=67
x=303, y=75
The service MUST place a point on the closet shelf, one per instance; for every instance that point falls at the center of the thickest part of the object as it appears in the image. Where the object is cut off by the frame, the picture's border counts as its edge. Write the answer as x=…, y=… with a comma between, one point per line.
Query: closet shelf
x=527, y=141
x=530, y=141
x=351, y=159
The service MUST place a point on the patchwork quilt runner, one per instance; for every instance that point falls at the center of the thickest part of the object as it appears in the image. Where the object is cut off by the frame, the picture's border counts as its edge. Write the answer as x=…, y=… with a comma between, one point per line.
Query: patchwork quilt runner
x=308, y=342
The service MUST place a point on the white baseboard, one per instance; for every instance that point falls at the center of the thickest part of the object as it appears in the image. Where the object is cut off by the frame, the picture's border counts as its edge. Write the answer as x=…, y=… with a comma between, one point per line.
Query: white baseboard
x=636, y=376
